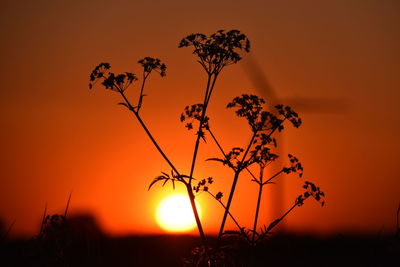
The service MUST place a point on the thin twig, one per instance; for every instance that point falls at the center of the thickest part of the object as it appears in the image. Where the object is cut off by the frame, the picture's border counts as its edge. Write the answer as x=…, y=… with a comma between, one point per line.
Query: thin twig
x=188, y=185
x=66, y=208
x=280, y=219
x=221, y=149
x=149, y=134
x=229, y=213
x=248, y=148
x=273, y=176
x=4, y=237
x=252, y=175
x=43, y=219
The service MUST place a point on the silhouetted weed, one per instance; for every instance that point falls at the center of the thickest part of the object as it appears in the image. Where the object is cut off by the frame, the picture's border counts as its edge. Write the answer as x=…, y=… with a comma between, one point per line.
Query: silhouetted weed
x=214, y=53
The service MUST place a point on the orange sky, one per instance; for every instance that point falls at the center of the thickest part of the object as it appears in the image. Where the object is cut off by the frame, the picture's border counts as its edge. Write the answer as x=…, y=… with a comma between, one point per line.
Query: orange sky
x=57, y=135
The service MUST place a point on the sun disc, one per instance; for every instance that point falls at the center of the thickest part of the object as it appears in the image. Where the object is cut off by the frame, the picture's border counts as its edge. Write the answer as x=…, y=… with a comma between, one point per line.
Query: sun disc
x=174, y=214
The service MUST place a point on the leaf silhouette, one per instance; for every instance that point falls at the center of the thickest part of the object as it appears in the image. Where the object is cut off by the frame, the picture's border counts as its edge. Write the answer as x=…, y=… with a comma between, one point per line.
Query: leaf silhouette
x=217, y=159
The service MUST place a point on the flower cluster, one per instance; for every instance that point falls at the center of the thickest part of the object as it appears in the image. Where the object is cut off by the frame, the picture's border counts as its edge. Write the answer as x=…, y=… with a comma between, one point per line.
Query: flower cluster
x=251, y=108
x=311, y=190
x=193, y=113
x=98, y=73
x=149, y=64
x=111, y=81
x=262, y=155
x=120, y=82
x=203, y=184
x=295, y=166
x=217, y=50
x=289, y=114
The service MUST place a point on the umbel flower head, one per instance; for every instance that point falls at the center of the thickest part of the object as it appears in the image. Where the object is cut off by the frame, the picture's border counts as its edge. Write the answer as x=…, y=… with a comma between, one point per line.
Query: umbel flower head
x=217, y=50
x=120, y=82
x=111, y=81
x=149, y=64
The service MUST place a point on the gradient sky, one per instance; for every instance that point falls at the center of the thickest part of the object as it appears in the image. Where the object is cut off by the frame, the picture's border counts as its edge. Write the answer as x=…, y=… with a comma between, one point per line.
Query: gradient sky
x=57, y=135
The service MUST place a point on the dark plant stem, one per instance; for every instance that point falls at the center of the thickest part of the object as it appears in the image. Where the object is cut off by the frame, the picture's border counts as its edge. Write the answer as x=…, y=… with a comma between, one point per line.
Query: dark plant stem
x=229, y=213
x=141, y=91
x=287, y=212
x=255, y=179
x=4, y=237
x=131, y=108
x=235, y=178
x=258, y=201
x=228, y=204
x=209, y=89
x=66, y=207
x=207, y=96
x=156, y=144
x=248, y=148
x=196, y=146
x=212, y=88
x=188, y=185
x=196, y=215
x=281, y=218
x=252, y=175
x=221, y=149
x=217, y=143
x=224, y=154
x=44, y=218
x=273, y=176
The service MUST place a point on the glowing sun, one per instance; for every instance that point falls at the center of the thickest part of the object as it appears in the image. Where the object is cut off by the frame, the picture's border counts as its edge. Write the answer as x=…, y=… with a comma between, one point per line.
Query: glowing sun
x=174, y=214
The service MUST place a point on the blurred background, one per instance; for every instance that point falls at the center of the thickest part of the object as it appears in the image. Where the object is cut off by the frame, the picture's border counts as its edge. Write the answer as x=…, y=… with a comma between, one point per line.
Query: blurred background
x=336, y=62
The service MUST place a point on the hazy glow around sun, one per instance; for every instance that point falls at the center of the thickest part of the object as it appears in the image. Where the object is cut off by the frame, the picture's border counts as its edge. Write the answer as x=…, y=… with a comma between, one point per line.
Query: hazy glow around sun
x=174, y=214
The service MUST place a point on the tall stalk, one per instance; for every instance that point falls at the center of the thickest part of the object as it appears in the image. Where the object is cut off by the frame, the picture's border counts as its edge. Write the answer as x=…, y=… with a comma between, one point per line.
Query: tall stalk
x=214, y=52
x=209, y=89
x=145, y=75
x=188, y=186
x=260, y=188
x=233, y=187
x=228, y=204
x=196, y=215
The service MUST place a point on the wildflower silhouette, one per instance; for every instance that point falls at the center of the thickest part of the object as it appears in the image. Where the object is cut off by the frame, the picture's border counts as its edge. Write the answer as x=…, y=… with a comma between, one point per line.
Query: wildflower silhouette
x=214, y=53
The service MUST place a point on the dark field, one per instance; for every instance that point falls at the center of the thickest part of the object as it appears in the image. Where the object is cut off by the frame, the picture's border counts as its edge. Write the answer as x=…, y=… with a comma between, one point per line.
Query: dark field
x=164, y=250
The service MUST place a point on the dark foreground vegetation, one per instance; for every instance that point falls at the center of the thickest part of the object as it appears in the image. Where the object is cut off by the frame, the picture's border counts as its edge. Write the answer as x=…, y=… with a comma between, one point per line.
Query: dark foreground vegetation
x=83, y=244
x=285, y=250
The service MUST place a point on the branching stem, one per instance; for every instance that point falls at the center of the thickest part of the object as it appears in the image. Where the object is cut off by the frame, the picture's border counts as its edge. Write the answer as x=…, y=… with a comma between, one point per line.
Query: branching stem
x=131, y=108
x=217, y=143
x=196, y=147
x=228, y=205
x=235, y=179
x=229, y=213
x=248, y=148
x=281, y=218
x=188, y=186
x=273, y=176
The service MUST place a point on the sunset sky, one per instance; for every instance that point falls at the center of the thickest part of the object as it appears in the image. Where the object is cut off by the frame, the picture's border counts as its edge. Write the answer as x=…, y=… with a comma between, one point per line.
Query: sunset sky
x=58, y=136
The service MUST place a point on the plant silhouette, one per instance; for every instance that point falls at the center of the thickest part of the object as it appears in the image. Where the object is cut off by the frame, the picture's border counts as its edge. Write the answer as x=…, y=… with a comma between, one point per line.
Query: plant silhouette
x=214, y=53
